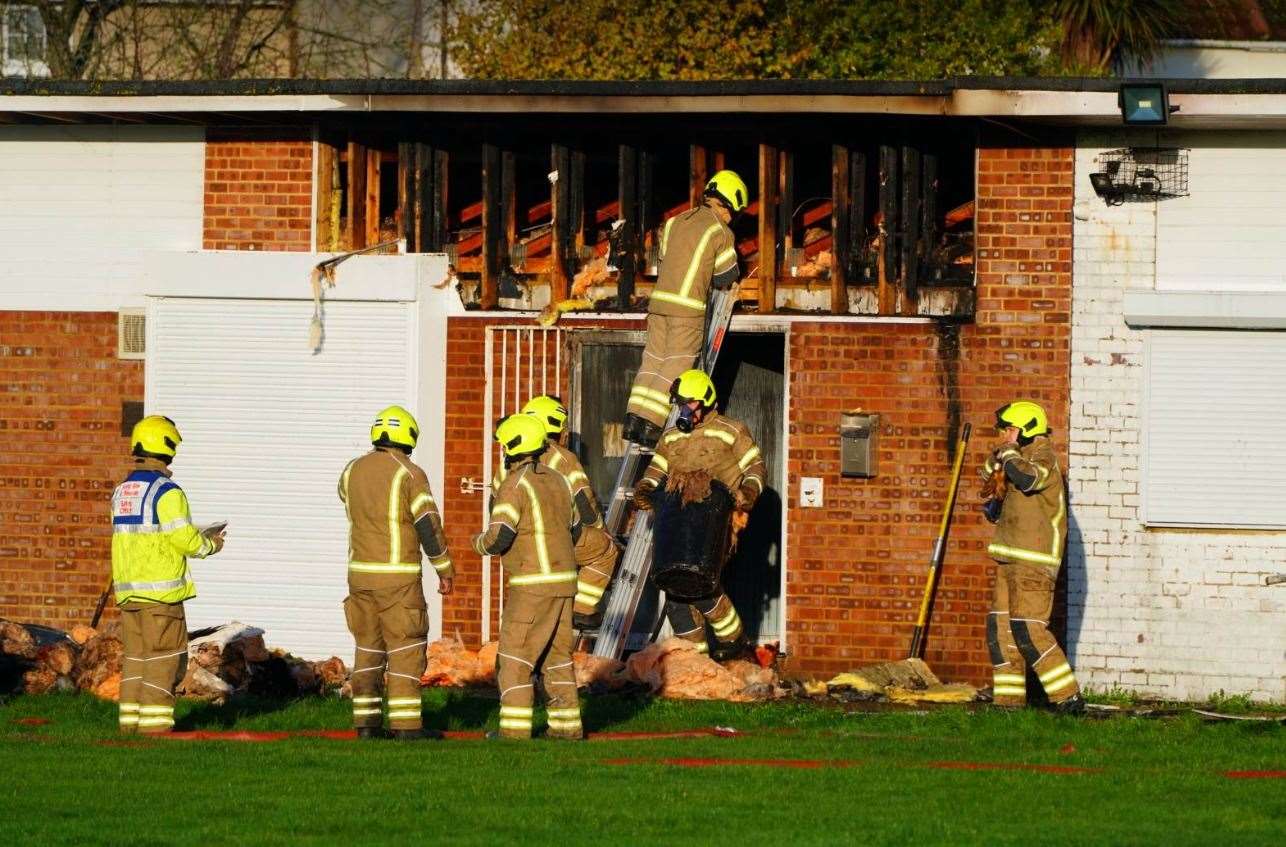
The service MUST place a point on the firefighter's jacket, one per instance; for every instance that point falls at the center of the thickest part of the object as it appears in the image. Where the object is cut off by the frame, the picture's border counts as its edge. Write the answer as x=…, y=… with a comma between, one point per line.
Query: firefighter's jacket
x=720, y=446
x=532, y=525
x=152, y=538
x=558, y=458
x=697, y=250
x=391, y=515
x=1033, y=520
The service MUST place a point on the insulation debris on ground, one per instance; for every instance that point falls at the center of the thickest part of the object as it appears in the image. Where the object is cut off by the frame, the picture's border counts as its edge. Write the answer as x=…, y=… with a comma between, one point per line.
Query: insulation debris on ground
x=222, y=662
x=907, y=681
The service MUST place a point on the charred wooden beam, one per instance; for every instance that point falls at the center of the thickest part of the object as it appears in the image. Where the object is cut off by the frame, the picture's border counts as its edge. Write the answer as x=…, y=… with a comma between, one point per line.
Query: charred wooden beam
x=374, y=162
x=909, y=229
x=841, y=202
x=698, y=175
x=928, y=216
x=509, y=202
x=576, y=206
x=858, y=255
x=647, y=216
x=329, y=199
x=769, y=184
x=628, y=241
x=355, y=228
x=786, y=205
x=492, y=226
x=433, y=219
x=408, y=194
x=888, y=198
x=561, y=238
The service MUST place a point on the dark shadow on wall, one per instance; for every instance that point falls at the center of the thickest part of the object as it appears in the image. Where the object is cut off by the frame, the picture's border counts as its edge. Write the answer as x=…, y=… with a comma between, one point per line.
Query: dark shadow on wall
x=1072, y=590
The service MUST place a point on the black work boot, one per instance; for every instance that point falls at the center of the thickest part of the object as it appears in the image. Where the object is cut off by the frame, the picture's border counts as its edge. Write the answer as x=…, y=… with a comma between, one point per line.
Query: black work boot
x=1074, y=705
x=640, y=431
x=723, y=651
x=372, y=732
x=417, y=735
x=586, y=622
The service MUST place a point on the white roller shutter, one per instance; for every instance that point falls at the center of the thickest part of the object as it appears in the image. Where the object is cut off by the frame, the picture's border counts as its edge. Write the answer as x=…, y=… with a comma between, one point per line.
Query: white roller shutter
x=1214, y=441
x=267, y=429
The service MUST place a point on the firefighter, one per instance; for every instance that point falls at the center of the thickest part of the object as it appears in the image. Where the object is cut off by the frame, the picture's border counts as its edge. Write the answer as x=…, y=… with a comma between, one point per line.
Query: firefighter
x=703, y=440
x=596, y=552
x=697, y=252
x=152, y=538
x=533, y=529
x=1031, y=533
x=391, y=516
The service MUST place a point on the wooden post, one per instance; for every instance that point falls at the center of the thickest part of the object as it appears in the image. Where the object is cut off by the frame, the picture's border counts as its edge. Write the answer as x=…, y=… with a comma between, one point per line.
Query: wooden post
x=786, y=207
x=509, y=203
x=373, y=165
x=408, y=195
x=324, y=224
x=492, y=231
x=698, y=175
x=355, y=228
x=887, y=259
x=769, y=182
x=560, y=200
x=857, y=253
x=928, y=213
x=627, y=261
x=910, y=227
x=576, y=207
x=841, y=241
x=435, y=167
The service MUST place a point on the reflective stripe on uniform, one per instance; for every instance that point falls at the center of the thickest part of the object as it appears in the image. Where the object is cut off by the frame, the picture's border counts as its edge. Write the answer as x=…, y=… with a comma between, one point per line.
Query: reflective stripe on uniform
x=138, y=528
x=660, y=462
x=394, y=516
x=542, y=547
x=542, y=578
x=506, y=510
x=150, y=586
x=383, y=567
x=516, y=717
x=593, y=590
x=725, y=260
x=1002, y=551
x=726, y=624
x=679, y=300
x=725, y=437
x=364, y=700
x=441, y=564
x=577, y=478
x=694, y=265
x=748, y=458
x=1057, y=678
x=665, y=235
x=420, y=501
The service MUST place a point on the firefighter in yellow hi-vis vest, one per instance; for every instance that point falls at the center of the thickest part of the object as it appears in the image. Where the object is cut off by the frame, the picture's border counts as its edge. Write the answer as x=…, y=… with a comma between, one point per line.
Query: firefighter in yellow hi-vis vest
x=596, y=552
x=391, y=515
x=705, y=442
x=533, y=530
x=697, y=251
x=152, y=538
x=1031, y=534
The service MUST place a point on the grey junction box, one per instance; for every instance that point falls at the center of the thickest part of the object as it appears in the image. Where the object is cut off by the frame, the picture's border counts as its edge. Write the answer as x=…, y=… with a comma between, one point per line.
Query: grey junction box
x=858, y=437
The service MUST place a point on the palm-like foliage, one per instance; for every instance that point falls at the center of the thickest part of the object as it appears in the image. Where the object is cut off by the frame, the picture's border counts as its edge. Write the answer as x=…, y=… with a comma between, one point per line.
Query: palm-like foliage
x=1103, y=34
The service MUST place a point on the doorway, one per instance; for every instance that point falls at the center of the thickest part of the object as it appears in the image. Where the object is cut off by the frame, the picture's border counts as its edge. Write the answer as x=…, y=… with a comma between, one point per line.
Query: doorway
x=750, y=381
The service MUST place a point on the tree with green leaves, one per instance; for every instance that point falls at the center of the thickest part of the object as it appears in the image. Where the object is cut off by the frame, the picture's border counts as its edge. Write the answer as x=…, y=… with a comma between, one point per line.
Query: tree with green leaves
x=1105, y=35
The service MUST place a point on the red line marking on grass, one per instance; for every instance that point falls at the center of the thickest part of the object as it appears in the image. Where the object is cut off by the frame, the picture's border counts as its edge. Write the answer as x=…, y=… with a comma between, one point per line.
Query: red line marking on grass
x=803, y=764
x=32, y=721
x=1255, y=774
x=213, y=735
x=1010, y=766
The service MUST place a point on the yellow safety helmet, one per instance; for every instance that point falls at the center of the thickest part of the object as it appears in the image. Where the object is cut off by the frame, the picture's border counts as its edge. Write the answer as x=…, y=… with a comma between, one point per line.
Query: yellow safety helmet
x=155, y=435
x=730, y=189
x=395, y=427
x=691, y=385
x=1029, y=417
x=520, y=435
x=550, y=411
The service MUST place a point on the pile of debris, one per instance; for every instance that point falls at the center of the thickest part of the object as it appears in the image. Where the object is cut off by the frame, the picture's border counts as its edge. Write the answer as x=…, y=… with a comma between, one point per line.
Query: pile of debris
x=907, y=681
x=672, y=669
x=222, y=661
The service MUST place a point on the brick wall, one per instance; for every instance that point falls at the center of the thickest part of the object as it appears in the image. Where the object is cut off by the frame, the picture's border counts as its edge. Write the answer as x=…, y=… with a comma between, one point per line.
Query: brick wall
x=855, y=568
x=1165, y=612
x=61, y=453
x=258, y=190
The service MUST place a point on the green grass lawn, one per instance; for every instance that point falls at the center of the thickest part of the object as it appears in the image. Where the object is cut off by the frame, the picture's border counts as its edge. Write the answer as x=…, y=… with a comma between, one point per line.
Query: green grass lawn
x=871, y=778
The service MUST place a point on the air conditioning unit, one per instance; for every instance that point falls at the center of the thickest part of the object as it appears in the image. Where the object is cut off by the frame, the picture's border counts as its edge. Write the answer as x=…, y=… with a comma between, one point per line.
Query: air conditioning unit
x=131, y=334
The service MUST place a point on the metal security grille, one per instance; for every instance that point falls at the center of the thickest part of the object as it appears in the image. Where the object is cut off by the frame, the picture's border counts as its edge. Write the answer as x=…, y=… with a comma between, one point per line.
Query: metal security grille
x=131, y=334
x=520, y=362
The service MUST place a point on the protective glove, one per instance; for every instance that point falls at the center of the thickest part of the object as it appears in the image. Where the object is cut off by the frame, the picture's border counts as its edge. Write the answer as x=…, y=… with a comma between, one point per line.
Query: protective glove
x=643, y=498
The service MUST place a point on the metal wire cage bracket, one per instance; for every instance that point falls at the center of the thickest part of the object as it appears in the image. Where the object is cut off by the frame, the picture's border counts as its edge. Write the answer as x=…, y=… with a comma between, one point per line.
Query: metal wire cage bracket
x=1140, y=174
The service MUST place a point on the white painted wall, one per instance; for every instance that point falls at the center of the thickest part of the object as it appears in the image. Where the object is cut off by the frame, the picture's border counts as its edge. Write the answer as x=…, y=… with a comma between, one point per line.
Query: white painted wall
x=1169, y=612
x=81, y=205
x=1219, y=60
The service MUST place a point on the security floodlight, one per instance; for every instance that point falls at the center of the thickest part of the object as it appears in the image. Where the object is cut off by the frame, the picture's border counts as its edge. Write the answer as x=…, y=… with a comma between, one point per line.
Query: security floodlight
x=1144, y=104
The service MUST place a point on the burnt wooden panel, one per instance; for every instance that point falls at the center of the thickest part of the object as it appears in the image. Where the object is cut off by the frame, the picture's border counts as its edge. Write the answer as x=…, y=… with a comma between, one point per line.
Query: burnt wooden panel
x=769, y=183
x=841, y=241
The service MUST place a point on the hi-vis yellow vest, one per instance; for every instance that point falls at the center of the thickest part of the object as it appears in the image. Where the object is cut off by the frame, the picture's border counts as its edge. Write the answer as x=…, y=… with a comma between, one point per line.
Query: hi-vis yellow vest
x=152, y=536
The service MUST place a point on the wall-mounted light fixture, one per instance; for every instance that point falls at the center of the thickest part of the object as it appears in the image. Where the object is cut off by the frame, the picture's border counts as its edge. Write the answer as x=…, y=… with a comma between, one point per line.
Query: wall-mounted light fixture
x=1144, y=104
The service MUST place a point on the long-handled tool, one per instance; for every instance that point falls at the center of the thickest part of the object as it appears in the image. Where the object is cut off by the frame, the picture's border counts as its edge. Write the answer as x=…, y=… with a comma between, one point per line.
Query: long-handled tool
x=939, y=550
x=102, y=604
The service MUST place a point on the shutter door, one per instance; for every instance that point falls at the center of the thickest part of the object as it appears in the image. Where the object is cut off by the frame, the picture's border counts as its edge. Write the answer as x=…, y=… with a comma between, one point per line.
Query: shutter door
x=1214, y=429
x=267, y=429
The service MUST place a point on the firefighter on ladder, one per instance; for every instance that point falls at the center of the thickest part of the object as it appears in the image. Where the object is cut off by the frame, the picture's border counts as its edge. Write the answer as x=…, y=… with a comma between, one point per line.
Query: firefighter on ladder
x=596, y=551
x=704, y=440
x=1031, y=533
x=533, y=529
x=152, y=538
x=697, y=251
x=391, y=515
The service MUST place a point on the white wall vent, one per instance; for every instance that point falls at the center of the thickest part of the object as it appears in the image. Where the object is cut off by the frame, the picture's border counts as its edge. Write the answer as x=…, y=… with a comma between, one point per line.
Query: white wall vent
x=131, y=333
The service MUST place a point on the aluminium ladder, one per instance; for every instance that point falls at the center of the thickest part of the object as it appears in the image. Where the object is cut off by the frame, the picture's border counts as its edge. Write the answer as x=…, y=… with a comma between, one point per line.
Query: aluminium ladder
x=636, y=562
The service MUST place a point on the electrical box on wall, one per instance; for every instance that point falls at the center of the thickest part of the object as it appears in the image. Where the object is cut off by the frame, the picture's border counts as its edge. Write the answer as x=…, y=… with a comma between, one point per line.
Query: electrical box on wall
x=858, y=437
